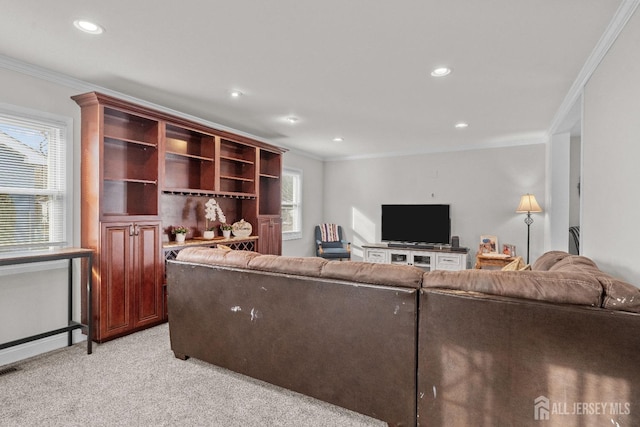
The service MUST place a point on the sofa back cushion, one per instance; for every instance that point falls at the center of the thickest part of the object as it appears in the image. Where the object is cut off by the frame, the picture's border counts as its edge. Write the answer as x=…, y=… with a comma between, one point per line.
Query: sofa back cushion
x=215, y=256
x=557, y=287
x=377, y=274
x=549, y=259
x=575, y=263
x=301, y=266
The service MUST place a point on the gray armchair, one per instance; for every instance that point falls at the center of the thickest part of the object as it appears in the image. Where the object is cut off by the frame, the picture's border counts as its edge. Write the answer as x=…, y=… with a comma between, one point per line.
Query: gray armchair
x=330, y=243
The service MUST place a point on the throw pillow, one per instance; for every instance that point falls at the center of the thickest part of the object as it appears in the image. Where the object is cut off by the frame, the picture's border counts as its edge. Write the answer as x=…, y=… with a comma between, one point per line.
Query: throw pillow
x=516, y=265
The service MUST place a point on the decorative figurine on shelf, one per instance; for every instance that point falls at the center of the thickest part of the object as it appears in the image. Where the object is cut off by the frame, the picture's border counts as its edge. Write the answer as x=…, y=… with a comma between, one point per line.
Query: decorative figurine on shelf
x=226, y=230
x=212, y=212
x=181, y=233
x=242, y=228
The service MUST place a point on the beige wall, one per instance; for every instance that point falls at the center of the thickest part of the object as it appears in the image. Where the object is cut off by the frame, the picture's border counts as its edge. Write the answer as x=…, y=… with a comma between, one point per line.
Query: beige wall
x=312, y=208
x=33, y=299
x=483, y=188
x=611, y=153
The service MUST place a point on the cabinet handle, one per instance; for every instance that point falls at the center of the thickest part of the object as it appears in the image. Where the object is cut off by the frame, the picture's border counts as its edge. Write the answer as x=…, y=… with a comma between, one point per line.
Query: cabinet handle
x=134, y=229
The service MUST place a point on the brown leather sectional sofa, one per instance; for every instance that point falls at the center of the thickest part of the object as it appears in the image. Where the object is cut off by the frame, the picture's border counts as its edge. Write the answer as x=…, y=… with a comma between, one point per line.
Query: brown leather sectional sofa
x=558, y=345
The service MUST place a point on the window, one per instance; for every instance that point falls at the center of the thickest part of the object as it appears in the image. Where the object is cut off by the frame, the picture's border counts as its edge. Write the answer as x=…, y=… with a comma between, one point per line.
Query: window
x=33, y=198
x=291, y=204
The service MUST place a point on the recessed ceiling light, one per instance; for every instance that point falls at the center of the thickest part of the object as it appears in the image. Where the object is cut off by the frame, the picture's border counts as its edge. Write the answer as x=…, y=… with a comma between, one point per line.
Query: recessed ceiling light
x=88, y=26
x=338, y=139
x=462, y=125
x=235, y=94
x=292, y=119
x=441, y=72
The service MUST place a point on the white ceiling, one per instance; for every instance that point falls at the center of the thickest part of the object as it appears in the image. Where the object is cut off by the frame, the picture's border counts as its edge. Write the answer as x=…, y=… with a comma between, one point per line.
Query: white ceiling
x=352, y=68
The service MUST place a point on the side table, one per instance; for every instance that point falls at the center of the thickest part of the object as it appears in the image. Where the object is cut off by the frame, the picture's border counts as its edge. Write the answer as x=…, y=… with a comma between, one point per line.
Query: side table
x=69, y=254
x=483, y=261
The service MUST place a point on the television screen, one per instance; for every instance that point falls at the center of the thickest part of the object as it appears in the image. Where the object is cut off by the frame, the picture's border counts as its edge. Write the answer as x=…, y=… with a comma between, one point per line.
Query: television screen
x=416, y=223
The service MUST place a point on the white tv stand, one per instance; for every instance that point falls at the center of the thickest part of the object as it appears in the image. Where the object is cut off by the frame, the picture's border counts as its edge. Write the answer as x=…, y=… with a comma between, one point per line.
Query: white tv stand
x=433, y=257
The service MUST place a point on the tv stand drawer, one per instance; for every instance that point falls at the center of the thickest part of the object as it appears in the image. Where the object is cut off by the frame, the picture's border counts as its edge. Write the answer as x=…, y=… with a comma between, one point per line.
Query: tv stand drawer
x=378, y=256
x=448, y=262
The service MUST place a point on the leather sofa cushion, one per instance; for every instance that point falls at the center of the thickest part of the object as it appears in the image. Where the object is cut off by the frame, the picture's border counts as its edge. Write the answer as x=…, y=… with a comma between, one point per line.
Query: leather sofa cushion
x=556, y=287
x=575, y=263
x=217, y=256
x=618, y=295
x=549, y=259
x=301, y=266
x=378, y=274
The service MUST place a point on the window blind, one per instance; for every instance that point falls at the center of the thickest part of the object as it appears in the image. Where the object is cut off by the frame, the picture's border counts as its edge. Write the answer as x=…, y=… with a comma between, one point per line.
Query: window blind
x=32, y=182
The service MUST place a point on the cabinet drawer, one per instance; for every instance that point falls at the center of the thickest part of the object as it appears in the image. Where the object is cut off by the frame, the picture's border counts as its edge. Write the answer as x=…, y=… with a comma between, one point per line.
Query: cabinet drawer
x=376, y=256
x=449, y=262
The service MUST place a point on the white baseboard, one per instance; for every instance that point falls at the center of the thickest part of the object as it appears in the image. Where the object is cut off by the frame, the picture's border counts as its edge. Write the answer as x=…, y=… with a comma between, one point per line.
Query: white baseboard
x=35, y=348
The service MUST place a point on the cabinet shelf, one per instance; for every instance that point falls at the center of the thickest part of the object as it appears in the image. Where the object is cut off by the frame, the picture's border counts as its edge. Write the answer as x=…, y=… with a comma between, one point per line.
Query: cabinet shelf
x=270, y=184
x=130, y=161
x=270, y=164
x=190, y=156
x=236, y=184
x=236, y=178
x=129, y=127
x=188, y=171
x=237, y=171
x=235, y=151
x=235, y=159
x=115, y=139
x=270, y=173
x=130, y=197
x=186, y=142
x=265, y=175
x=132, y=180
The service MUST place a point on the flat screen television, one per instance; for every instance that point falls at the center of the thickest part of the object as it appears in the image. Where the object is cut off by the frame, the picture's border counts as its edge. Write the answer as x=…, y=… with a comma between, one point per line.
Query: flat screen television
x=416, y=224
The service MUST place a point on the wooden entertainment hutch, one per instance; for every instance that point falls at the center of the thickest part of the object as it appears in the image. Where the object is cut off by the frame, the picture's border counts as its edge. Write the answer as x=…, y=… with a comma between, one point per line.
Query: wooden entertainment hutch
x=145, y=171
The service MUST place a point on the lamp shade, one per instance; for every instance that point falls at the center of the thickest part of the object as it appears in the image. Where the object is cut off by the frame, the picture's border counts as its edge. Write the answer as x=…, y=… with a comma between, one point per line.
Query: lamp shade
x=528, y=203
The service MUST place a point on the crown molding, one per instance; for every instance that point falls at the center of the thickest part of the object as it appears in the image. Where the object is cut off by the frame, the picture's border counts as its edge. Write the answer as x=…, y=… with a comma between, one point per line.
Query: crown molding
x=21, y=67
x=82, y=86
x=615, y=27
x=485, y=146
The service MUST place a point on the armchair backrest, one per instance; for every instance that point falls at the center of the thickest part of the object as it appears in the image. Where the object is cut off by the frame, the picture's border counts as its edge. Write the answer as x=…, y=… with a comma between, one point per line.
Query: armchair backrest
x=326, y=244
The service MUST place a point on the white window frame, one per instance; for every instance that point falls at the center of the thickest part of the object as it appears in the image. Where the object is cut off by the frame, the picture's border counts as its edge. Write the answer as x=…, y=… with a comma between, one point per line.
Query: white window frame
x=296, y=234
x=66, y=163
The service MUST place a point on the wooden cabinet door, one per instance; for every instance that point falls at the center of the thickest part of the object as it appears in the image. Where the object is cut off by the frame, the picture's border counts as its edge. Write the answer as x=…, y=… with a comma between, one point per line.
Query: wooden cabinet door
x=148, y=271
x=130, y=294
x=270, y=233
x=116, y=265
x=263, y=233
x=276, y=236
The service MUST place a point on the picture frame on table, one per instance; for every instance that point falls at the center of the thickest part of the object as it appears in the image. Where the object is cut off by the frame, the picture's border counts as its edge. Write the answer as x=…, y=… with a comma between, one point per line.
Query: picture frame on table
x=509, y=249
x=488, y=244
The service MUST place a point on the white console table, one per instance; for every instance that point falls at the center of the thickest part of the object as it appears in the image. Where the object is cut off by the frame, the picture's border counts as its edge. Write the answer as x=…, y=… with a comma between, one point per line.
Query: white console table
x=437, y=258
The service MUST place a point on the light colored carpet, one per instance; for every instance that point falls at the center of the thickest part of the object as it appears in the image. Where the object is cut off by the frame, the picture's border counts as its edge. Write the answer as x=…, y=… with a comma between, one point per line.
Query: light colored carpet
x=137, y=381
